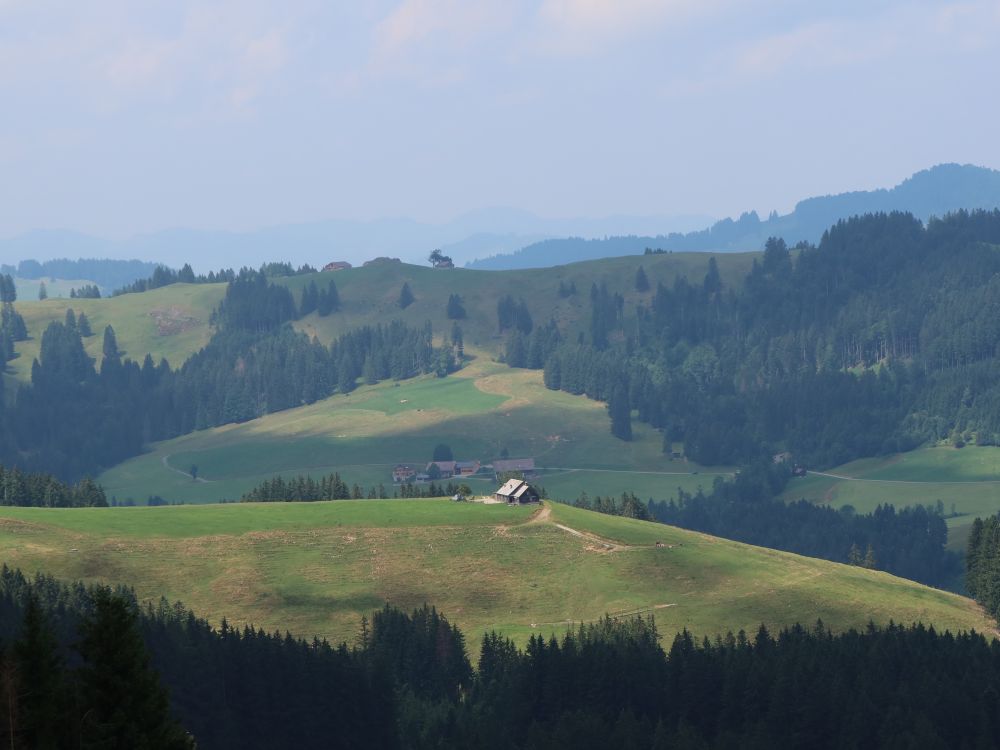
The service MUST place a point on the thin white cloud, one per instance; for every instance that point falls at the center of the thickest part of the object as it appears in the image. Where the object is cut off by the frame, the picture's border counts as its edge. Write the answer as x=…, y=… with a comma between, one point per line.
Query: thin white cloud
x=587, y=26
x=421, y=36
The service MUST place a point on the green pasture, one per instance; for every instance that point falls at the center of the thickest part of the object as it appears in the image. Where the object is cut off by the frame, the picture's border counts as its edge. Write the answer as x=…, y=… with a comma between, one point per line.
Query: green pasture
x=27, y=289
x=966, y=480
x=479, y=412
x=171, y=322
x=316, y=568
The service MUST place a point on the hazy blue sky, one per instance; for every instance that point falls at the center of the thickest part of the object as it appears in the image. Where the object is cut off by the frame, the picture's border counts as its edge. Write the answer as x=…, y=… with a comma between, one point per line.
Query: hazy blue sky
x=121, y=116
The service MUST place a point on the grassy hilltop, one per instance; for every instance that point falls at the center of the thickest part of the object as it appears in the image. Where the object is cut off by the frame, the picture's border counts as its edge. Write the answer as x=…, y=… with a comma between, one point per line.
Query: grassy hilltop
x=316, y=568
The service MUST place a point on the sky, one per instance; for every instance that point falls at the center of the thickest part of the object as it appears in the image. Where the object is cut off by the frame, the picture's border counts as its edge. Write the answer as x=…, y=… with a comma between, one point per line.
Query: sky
x=120, y=117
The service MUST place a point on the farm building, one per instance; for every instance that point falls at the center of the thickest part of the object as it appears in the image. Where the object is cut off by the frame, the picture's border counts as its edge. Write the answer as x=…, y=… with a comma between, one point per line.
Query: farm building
x=337, y=265
x=523, y=466
x=446, y=468
x=466, y=468
x=403, y=473
x=517, y=492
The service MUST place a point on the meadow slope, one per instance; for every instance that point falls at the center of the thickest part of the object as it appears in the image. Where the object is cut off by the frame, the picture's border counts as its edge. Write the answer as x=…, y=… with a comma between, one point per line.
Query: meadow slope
x=479, y=411
x=966, y=481
x=317, y=568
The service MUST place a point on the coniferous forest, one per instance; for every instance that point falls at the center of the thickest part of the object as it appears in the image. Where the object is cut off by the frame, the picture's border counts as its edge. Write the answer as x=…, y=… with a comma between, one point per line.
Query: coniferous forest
x=88, y=667
x=874, y=341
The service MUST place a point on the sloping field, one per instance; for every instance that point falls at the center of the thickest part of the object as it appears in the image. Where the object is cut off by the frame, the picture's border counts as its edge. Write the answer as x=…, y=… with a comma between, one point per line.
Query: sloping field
x=316, y=568
x=965, y=480
x=479, y=412
x=171, y=322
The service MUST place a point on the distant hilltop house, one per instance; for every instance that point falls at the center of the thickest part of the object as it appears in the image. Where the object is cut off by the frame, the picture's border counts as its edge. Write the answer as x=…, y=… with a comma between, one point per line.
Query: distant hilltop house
x=523, y=466
x=780, y=458
x=337, y=265
x=403, y=473
x=516, y=492
x=381, y=260
x=440, y=260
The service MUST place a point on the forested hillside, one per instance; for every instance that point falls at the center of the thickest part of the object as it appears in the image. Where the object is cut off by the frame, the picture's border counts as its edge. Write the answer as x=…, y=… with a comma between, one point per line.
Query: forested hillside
x=881, y=337
x=878, y=339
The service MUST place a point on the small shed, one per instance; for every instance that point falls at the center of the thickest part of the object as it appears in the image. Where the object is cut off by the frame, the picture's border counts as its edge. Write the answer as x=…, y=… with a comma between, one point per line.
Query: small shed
x=517, y=492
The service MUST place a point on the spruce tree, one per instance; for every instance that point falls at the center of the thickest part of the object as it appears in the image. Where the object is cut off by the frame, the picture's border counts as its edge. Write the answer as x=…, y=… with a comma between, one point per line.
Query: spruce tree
x=43, y=293
x=641, y=281
x=110, y=348
x=123, y=704
x=40, y=678
x=621, y=413
x=405, y=296
x=83, y=325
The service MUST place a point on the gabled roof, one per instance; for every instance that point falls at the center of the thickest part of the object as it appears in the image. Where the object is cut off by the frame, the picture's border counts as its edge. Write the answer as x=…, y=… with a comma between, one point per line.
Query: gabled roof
x=522, y=489
x=511, y=488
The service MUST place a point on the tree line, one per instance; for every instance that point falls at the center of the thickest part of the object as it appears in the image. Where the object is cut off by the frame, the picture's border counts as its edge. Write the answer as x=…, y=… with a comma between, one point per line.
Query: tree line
x=982, y=564
x=304, y=488
x=39, y=490
x=164, y=276
x=86, y=665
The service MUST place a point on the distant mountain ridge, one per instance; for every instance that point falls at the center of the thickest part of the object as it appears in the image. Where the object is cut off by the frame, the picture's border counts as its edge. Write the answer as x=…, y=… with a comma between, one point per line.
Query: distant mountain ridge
x=932, y=192
x=474, y=235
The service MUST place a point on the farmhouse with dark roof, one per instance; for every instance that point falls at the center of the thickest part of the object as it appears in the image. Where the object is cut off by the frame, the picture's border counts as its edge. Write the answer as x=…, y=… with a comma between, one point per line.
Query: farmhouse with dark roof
x=517, y=492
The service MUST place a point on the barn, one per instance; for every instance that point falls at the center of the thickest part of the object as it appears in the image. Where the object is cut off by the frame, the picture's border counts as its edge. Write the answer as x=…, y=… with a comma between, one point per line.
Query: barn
x=517, y=492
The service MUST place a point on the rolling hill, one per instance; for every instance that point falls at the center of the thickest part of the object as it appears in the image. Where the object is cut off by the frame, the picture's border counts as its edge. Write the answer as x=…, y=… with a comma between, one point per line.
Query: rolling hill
x=174, y=321
x=479, y=411
x=316, y=568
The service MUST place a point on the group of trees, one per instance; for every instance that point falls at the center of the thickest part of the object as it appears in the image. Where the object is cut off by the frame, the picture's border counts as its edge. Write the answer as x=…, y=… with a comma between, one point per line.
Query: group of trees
x=110, y=697
x=45, y=491
x=75, y=419
x=163, y=276
x=513, y=315
x=12, y=327
x=627, y=506
x=321, y=302
x=982, y=564
x=304, y=488
x=88, y=665
x=87, y=291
